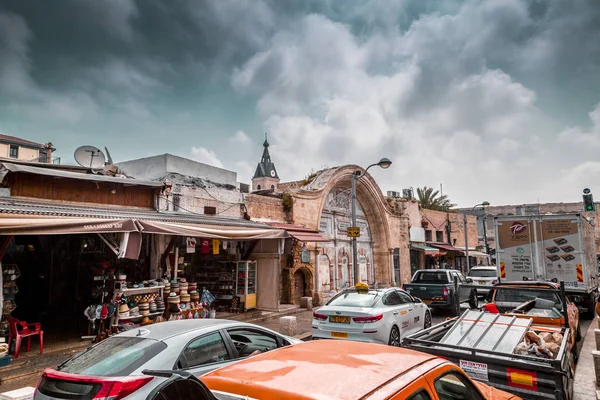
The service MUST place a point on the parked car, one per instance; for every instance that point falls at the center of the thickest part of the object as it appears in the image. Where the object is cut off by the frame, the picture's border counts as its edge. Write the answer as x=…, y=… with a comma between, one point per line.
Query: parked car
x=346, y=370
x=484, y=275
x=377, y=316
x=435, y=287
x=112, y=369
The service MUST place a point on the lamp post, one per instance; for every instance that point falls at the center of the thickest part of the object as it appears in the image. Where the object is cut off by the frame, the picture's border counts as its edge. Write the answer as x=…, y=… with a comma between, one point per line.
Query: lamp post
x=385, y=164
x=484, y=204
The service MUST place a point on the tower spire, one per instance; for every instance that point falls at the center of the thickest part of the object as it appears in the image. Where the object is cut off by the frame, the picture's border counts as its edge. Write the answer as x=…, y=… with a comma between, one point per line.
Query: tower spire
x=266, y=174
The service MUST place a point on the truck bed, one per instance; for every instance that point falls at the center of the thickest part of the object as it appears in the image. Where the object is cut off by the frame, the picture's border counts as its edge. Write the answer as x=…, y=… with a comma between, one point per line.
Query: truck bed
x=482, y=345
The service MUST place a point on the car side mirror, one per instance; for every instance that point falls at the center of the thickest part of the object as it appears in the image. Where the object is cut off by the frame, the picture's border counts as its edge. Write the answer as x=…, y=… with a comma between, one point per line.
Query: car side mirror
x=417, y=300
x=469, y=280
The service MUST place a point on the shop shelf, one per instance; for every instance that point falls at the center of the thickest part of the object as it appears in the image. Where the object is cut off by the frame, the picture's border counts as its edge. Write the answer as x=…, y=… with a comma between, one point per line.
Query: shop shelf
x=147, y=289
x=141, y=316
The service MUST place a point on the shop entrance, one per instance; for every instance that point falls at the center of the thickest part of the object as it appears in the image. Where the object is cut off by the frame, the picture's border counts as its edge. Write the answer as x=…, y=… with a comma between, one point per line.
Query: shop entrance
x=299, y=286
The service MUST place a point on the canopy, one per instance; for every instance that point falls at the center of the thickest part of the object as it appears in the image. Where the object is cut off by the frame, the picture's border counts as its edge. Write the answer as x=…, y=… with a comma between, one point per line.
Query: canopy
x=430, y=251
x=40, y=225
x=210, y=231
x=300, y=233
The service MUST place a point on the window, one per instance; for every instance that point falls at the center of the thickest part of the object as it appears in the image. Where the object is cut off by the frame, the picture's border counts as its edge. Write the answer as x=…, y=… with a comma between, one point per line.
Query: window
x=14, y=152
x=258, y=187
x=272, y=187
x=428, y=235
x=439, y=236
x=207, y=349
x=354, y=299
x=483, y=273
x=405, y=297
x=431, y=277
x=421, y=395
x=392, y=299
x=247, y=341
x=453, y=386
x=115, y=356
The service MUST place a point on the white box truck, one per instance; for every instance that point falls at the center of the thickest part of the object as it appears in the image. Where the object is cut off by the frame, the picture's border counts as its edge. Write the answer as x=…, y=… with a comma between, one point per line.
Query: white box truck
x=553, y=247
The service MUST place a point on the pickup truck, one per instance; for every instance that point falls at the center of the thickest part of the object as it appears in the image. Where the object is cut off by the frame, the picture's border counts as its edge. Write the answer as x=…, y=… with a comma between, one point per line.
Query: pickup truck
x=435, y=287
x=541, y=301
x=486, y=346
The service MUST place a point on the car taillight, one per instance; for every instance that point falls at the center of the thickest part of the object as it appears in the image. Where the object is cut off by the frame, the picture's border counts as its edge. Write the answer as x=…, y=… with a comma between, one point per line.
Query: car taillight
x=494, y=281
x=368, y=319
x=445, y=293
x=110, y=388
x=319, y=317
x=403, y=287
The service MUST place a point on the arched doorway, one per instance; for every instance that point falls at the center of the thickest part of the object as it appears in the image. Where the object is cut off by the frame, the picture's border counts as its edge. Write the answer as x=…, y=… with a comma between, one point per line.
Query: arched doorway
x=299, y=286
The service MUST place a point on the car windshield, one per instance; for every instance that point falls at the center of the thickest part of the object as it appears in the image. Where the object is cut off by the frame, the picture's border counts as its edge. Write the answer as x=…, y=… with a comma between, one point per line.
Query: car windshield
x=355, y=299
x=115, y=356
x=431, y=277
x=521, y=296
x=483, y=273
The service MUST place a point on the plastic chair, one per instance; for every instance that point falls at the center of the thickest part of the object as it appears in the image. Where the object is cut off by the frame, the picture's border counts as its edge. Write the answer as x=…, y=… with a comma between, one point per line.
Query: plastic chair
x=26, y=331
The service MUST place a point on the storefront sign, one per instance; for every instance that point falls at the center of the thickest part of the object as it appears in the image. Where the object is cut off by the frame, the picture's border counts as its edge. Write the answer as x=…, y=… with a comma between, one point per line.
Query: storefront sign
x=305, y=255
x=190, y=244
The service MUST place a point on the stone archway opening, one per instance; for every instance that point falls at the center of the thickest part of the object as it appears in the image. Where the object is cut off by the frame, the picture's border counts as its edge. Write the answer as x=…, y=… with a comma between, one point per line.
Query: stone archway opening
x=302, y=284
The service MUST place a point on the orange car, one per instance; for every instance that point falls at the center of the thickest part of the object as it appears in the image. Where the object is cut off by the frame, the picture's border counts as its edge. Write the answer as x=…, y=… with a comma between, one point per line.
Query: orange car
x=345, y=370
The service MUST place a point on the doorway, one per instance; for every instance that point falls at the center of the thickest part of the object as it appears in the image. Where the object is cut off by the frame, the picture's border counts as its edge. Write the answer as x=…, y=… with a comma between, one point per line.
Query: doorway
x=299, y=286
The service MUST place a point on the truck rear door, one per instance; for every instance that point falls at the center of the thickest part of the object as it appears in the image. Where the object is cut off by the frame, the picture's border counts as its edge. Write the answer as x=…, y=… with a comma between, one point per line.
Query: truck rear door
x=428, y=284
x=563, y=250
x=516, y=252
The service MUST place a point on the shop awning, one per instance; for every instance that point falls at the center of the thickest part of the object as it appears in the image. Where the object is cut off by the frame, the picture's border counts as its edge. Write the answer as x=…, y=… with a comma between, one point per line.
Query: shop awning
x=211, y=231
x=26, y=217
x=430, y=251
x=446, y=247
x=300, y=233
x=474, y=253
x=36, y=225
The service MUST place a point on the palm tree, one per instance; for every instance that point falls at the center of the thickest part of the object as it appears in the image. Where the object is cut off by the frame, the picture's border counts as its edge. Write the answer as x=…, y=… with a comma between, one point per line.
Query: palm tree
x=431, y=199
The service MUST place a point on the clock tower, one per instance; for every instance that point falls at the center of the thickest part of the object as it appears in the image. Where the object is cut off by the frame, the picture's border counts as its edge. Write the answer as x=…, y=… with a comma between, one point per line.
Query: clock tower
x=265, y=177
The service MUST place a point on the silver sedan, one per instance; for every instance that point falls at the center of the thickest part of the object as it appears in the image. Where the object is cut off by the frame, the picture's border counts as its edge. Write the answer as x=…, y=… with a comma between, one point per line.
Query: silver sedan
x=113, y=368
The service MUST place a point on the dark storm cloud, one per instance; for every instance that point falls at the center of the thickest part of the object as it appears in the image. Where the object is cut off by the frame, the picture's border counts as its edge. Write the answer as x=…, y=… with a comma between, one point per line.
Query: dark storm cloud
x=345, y=80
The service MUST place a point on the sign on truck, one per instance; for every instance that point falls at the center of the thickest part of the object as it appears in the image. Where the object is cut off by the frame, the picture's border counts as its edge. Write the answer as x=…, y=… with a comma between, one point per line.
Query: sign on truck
x=549, y=248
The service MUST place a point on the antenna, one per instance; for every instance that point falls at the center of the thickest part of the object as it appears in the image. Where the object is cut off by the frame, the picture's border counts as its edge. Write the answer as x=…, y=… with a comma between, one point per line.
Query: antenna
x=89, y=157
x=109, y=158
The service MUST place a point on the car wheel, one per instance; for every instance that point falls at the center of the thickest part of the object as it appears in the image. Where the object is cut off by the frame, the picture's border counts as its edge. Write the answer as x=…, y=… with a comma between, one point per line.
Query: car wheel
x=394, y=337
x=427, y=321
x=578, y=333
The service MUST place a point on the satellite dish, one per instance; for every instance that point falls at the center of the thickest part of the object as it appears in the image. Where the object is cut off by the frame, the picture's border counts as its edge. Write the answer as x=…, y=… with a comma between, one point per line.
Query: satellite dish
x=90, y=157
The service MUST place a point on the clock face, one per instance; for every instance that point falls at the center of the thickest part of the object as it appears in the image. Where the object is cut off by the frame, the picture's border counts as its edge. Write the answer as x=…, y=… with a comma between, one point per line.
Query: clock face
x=272, y=173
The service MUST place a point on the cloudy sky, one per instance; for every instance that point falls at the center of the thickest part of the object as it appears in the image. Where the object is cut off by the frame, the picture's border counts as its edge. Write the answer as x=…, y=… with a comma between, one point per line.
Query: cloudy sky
x=497, y=100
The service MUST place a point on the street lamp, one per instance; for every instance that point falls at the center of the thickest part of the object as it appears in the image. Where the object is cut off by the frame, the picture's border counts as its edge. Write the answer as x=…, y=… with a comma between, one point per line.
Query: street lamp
x=484, y=204
x=383, y=163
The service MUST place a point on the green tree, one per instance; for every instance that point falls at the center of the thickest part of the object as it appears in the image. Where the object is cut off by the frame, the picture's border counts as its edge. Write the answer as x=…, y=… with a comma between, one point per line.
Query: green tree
x=431, y=199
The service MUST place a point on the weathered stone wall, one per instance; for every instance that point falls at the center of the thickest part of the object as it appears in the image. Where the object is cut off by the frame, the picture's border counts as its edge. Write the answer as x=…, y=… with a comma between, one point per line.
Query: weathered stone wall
x=266, y=207
x=438, y=221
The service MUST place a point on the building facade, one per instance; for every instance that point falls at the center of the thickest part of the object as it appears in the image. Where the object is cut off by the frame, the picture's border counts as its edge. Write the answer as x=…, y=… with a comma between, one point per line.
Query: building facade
x=193, y=186
x=25, y=150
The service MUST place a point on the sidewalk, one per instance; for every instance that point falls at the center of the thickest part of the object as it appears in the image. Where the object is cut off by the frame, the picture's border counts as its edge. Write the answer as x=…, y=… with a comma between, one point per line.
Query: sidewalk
x=585, y=377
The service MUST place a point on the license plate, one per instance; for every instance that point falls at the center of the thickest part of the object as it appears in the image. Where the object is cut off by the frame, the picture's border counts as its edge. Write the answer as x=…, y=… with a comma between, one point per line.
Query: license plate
x=342, y=335
x=482, y=282
x=427, y=301
x=339, y=319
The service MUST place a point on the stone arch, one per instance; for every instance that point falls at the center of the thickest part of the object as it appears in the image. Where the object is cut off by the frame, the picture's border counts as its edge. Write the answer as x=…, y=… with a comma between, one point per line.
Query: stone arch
x=373, y=203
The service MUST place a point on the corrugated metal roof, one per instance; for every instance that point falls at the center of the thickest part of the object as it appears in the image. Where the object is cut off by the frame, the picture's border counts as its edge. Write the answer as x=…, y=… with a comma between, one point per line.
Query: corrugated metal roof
x=14, y=168
x=27, y=207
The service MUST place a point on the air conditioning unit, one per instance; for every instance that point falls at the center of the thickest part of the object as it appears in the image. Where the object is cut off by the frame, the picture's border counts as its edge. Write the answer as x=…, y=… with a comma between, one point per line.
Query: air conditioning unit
x=393, y=194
